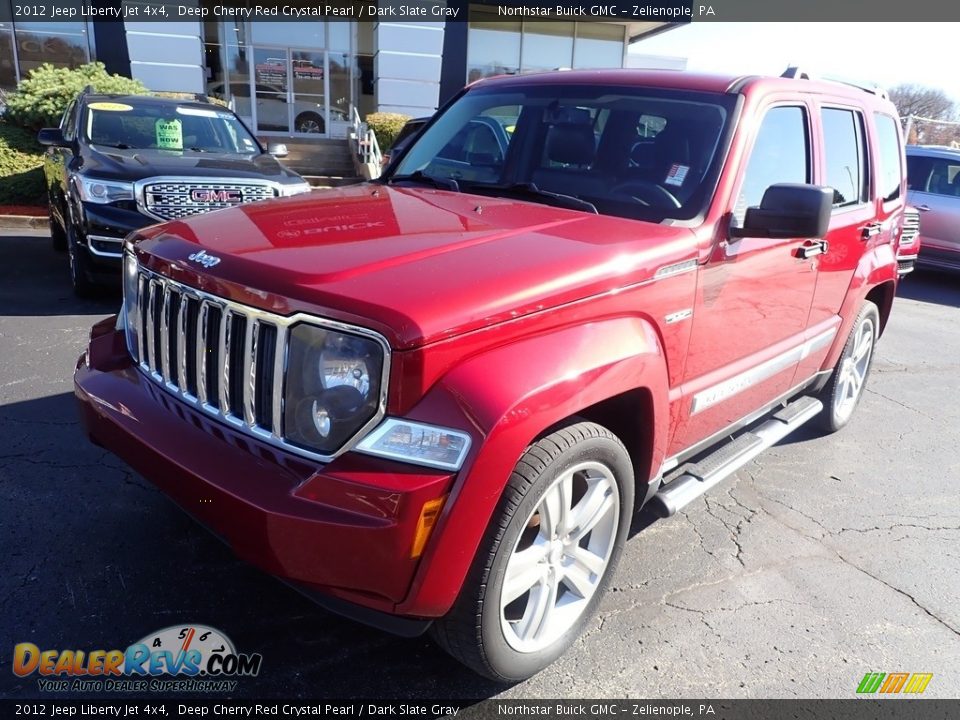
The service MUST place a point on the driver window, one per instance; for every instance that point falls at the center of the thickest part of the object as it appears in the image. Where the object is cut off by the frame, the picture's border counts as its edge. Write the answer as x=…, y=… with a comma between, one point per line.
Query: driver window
x=780, y=155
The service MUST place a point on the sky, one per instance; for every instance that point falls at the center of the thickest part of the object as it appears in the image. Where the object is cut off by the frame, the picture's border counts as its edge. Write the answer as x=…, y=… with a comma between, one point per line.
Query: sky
x=884, y=53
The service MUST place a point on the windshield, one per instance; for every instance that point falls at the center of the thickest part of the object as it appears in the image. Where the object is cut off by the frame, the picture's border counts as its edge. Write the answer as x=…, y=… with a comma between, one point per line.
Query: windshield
x=641, y=153
x=167, y=127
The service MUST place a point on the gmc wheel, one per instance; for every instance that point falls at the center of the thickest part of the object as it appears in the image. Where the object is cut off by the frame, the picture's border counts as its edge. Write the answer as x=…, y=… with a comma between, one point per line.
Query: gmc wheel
x=58, y=238
x=843, y=391
x=547, y=557
x=81, y=274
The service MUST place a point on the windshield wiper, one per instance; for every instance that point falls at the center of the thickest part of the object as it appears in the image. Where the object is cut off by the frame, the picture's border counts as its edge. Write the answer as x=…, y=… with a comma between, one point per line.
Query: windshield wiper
x=118, y=146
x=198, y=149
x=420, y=177
x=530, y=191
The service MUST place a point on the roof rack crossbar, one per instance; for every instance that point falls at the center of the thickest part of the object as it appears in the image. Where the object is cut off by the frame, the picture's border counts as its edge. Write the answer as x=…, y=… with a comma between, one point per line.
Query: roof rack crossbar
x=795, y=72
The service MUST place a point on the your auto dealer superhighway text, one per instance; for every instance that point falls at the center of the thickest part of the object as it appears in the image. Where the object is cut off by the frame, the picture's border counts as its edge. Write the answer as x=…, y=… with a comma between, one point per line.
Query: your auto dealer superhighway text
x=355, y=11
x=327, y=710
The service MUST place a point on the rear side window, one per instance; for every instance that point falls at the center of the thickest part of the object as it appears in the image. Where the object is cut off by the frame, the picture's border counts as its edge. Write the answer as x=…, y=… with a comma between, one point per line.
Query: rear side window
x=843, y=140
x=934, y=175
x=889, y=171
x=780, y=155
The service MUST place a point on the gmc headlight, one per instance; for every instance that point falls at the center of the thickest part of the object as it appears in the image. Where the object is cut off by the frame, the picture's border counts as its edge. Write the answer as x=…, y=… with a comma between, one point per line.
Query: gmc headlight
x=131, y=291
x=297, y=189
x=103, y=191
x=333, y=387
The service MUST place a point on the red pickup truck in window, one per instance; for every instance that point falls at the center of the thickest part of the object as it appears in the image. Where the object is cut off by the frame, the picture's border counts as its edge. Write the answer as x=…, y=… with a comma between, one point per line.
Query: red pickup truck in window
x=436, y=400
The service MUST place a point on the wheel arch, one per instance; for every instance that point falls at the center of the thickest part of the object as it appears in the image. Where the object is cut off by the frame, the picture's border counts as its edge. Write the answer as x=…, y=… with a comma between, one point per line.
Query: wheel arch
x=629, y=416
x=882, y=296
x=514, y=394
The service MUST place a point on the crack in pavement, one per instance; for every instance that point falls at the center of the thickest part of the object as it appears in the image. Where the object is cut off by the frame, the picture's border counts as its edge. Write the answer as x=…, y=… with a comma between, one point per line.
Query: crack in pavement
x=820, y=541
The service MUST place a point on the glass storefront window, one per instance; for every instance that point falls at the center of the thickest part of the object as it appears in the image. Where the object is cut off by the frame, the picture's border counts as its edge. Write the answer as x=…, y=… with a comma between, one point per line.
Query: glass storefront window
x=502, y=47
x=599, y=45
x=339, y=86
x=60, y=50
x=290, y=34
x=493, y=47
x=546, y=46
x=8, y=65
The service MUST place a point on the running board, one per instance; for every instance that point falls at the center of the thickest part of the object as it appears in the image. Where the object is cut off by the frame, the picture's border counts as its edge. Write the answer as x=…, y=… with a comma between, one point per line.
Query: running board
x=726, y=460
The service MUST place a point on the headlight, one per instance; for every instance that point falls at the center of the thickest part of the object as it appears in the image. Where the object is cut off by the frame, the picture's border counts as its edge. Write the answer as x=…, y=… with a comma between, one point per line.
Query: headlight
x=288, y=190
x=103, y=191
x=131, y=291
x=417, y=443
x=333, y=387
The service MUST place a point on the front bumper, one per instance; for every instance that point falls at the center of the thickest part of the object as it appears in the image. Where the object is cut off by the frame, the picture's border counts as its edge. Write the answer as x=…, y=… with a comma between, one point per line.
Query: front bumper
x=343, y=531
x=103, y=229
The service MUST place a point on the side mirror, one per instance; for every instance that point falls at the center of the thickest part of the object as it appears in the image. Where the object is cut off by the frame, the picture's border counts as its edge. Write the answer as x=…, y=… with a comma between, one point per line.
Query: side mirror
x=278, y=150
x=51, y=137
x=789, y=211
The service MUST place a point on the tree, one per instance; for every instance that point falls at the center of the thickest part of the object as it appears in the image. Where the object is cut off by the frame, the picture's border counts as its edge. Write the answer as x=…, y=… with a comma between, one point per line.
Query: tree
x=934, y=113
x=923, y=101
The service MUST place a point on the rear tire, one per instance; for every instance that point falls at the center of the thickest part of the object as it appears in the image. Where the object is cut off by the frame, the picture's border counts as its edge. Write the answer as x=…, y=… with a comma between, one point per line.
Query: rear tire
x=547, y=557
x=843, y=391
x=58, y=238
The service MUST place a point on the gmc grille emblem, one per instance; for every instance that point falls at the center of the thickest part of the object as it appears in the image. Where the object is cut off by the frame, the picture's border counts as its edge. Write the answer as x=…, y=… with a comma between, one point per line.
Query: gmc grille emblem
x=201, y=257
x=204, y=195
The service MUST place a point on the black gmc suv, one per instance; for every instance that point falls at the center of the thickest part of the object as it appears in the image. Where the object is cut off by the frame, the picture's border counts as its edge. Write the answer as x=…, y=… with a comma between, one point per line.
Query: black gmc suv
x=118, y=163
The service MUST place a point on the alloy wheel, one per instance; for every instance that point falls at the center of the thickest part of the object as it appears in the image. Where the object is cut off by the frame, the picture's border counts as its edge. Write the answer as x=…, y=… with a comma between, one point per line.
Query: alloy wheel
x=853, y=371
x=560, y=558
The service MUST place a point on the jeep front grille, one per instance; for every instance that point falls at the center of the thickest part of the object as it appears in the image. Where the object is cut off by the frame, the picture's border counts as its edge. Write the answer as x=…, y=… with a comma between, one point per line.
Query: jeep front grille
x=222, y=357
x=218, y=355
x=175, y=199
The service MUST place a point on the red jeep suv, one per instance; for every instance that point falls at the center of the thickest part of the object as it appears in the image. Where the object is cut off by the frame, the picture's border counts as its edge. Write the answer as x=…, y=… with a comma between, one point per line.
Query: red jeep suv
x=436, y=400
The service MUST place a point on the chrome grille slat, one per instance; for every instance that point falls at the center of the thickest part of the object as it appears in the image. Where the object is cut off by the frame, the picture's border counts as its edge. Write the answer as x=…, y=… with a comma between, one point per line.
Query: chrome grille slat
x=250, y=371
x=234, y=356
x=151, y=331
x=279, y=368
x=182, y=341
x=202, y=318
x=142, y=329
x=224, y=361
x=165, y=334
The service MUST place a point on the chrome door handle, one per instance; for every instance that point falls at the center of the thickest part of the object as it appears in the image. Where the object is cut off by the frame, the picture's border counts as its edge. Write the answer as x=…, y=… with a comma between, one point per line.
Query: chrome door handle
x=811, y=248
x=870, y=230
x=923, y=208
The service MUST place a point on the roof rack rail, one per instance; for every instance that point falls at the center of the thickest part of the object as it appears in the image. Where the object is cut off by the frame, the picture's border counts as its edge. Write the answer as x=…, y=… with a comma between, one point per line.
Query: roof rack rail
x=88, y=90
x=796, y=73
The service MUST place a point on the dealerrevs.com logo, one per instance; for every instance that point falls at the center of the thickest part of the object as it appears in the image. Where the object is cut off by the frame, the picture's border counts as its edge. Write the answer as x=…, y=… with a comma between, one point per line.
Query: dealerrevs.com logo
x=180, y=658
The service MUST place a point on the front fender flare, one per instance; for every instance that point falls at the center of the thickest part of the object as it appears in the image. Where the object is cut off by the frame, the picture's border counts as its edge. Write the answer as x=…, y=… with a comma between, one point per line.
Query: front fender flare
x=511, y=395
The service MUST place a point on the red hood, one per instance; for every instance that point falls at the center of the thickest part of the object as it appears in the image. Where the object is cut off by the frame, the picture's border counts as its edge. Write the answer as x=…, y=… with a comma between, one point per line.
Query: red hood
x=417, y=265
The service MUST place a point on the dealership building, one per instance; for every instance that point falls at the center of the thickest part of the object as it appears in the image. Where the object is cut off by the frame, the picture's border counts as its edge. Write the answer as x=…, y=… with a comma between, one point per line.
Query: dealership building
x=301, y=77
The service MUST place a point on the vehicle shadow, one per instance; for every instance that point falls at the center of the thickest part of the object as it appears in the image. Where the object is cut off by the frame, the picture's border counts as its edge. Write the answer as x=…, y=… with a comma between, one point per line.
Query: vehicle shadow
x=931, y=286
x=100, y=559
x=35, y=280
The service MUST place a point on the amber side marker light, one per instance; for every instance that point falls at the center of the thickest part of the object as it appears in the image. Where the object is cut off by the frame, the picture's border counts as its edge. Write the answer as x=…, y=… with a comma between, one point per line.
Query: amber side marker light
x=428, y=518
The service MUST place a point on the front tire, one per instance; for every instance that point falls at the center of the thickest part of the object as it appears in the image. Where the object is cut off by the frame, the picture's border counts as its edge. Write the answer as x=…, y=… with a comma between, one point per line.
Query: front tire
x=81, y=274
x=58, y=238
x=843, y=391
x=548, y=555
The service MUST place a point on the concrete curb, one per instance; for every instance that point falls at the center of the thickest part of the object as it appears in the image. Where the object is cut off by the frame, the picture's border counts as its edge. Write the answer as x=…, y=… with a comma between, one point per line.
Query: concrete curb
x=23, y=222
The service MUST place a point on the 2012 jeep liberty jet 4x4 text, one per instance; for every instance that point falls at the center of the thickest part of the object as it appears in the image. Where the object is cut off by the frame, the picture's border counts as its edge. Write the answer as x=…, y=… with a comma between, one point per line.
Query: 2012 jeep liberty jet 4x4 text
x=436, y=400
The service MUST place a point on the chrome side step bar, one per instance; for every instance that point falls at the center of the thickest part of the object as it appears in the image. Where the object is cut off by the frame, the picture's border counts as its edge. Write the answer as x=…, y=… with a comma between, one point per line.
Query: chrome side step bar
x=726, y=460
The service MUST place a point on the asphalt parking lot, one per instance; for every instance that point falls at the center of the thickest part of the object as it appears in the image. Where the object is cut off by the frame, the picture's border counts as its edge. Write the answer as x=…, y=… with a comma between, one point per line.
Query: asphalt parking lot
x=824, y=559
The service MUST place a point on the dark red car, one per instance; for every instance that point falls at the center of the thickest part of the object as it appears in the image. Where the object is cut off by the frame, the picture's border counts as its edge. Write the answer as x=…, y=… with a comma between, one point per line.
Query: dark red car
x=437, y=400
